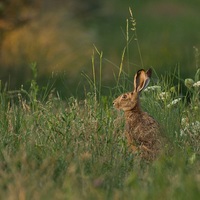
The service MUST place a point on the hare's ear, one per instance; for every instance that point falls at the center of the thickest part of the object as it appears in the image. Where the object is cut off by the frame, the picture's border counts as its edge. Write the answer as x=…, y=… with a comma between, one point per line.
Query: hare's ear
x=141, y=79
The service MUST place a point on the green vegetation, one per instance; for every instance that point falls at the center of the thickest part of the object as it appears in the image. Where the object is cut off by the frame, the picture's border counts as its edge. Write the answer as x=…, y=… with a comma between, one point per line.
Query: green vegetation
x=53, y=148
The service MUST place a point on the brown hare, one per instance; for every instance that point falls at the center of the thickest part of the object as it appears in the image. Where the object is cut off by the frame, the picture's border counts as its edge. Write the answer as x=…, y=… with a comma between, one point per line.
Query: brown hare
x=141, y=130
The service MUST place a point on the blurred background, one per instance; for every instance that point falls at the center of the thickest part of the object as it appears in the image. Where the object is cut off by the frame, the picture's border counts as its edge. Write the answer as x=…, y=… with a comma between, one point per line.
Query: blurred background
x=60, y=35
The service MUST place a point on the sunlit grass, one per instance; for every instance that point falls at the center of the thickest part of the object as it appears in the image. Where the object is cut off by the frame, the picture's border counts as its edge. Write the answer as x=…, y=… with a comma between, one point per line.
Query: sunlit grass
x=74, y=148
x=69, y=148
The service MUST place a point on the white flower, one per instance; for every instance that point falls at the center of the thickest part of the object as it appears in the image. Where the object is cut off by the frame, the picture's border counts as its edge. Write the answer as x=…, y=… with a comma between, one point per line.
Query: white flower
x=197, y=84
x=164, y=95
x=174, y=102
x=182, y=133
x=190, y=128
x=195, y=127
x=153, y=88
x=184, y=121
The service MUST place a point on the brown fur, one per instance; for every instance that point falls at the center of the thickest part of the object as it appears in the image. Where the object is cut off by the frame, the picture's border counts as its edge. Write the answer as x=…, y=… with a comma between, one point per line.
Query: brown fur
x=141, y=130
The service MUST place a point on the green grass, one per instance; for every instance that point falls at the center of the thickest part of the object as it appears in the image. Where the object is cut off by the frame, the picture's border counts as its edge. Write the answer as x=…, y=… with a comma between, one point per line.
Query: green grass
x=75, y=149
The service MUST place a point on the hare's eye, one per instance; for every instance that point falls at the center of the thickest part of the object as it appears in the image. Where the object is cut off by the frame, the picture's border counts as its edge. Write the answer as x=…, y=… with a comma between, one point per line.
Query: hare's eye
x=124, y=96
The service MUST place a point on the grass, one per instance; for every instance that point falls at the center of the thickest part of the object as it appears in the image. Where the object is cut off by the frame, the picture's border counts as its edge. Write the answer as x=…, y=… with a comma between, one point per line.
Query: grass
x=56, y=148
x=75, y=149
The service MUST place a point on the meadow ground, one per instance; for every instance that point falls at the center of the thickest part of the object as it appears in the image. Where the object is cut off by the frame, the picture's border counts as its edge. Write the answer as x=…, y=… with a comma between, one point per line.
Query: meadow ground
x=53, y=148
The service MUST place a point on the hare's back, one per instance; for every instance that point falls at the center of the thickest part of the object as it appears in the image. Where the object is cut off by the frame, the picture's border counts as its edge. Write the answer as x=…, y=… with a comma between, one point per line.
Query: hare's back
x=148, y=123
x=149, y=132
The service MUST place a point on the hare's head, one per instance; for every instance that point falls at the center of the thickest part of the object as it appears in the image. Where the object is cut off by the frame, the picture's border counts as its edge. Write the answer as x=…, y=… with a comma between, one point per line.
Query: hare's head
x=130, y=100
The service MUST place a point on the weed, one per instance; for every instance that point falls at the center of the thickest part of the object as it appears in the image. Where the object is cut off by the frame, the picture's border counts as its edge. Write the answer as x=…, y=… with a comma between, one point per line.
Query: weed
x=75, y=149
